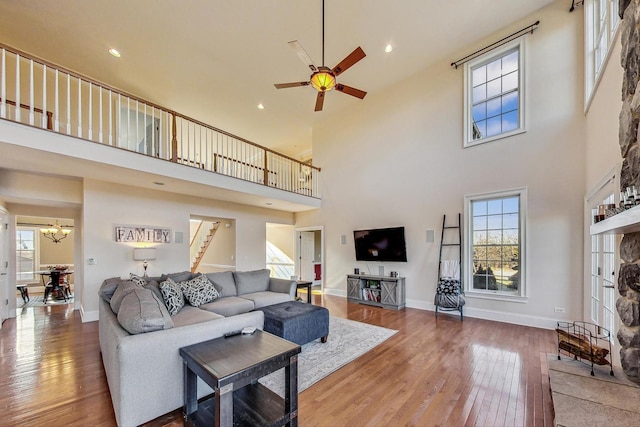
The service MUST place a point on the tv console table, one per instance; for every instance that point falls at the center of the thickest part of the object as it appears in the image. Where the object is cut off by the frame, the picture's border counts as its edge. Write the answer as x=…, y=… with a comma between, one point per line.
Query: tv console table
x=380, y=291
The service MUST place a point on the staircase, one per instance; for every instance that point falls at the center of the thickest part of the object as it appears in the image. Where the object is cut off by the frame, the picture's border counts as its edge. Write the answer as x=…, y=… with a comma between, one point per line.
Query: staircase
x=204, y=244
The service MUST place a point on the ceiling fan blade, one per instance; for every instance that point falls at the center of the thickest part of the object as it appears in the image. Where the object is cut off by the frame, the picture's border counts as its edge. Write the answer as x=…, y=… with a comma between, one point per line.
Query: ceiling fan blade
x=351, y=91
x=319, y=101
x=303, y=55
x=287, y=85
x=347, y=62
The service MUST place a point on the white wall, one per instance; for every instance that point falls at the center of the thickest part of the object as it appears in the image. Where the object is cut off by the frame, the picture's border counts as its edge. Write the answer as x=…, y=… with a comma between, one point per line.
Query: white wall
x=397, y=159
x=221, y=253
x=283, y=237
x=601, y=136
x=107, y=205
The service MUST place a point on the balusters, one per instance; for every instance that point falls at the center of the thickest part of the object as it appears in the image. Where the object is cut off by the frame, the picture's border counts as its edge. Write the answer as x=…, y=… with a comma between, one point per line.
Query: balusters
x=90, y=115
x=136, y=142
x=199, y=145
x=128, y=129
x=110, y=119
x=153, y=130
x=100, y=131
x=3, y=86
x=56, y=103
x=44, y=97
x=80, y=108
x=32, y=115
x=17, y=114
x=68, y=104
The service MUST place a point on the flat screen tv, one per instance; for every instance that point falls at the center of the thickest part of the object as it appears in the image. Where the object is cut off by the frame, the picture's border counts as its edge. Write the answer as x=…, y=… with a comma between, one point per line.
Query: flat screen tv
x=380, y=244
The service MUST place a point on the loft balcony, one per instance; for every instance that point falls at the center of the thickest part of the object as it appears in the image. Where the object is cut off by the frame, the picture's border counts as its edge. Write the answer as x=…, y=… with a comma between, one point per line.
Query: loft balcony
x=55, y=121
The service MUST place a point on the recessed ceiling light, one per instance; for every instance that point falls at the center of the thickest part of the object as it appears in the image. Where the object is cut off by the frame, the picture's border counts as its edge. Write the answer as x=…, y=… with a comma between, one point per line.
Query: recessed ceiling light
x=260, y=107
x=388, y=48
x=114, y=52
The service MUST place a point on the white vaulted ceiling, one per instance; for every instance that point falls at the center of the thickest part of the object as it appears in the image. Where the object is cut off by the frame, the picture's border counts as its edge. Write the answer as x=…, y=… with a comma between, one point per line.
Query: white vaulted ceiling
x=215, y=60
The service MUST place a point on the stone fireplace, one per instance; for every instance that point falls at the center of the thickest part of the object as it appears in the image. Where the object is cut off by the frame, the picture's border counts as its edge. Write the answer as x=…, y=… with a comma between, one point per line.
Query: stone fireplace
x=628, y=304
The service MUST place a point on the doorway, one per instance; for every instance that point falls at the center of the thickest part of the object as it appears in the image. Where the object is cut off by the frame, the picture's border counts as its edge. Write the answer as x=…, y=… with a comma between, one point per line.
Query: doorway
x=4, y=263
x=43, y=245
x=601, y=263
x=309, y=259
x=212, y=244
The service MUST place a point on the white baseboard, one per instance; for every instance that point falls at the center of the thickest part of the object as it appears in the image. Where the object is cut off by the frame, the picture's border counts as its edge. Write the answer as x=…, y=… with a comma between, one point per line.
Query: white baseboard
x=478, y=313
x=88, y=316
x=336, y=292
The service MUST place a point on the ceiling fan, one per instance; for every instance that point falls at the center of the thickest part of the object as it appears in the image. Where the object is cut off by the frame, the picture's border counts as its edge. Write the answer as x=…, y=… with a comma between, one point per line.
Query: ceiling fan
x=323, y=78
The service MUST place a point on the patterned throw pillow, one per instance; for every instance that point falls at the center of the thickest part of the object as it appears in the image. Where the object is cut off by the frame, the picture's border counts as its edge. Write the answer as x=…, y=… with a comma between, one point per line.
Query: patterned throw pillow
x=199, y=290
x=448, y=287
x=137, y=280
x=172, y=295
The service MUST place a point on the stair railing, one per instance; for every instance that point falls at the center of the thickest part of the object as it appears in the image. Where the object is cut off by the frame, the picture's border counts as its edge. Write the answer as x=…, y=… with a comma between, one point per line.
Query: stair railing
x=81, y=107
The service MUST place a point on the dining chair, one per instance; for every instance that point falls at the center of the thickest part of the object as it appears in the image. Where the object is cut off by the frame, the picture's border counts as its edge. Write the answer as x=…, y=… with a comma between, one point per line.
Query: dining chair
x=56, y=284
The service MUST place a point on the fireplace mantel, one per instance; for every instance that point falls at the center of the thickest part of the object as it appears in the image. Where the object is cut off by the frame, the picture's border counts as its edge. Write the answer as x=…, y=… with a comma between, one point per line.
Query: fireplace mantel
x=624, y=222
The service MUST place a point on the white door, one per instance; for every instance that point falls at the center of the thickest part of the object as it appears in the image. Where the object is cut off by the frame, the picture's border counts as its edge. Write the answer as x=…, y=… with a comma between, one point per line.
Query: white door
x=602, y=269
x=307, y=246
x=4, y=264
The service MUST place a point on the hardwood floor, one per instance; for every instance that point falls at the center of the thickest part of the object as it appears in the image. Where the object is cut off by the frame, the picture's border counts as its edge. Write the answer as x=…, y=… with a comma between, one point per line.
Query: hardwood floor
x=440, y=372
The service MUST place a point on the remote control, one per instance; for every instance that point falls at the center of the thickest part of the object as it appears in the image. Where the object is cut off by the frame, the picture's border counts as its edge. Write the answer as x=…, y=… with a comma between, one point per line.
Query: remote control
x=231, y=334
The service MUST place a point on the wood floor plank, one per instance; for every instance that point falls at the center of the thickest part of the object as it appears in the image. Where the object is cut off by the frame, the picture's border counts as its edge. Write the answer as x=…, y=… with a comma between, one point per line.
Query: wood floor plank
x=433, y=372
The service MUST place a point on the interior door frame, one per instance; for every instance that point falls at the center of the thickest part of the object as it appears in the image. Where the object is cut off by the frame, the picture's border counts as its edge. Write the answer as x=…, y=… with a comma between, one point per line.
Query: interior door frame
x=4, y=265
x=609, y=183
x=323, y=270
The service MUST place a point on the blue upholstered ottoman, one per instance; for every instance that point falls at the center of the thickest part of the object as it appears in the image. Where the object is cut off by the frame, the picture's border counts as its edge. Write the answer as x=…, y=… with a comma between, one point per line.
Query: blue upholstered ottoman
x=296, y=321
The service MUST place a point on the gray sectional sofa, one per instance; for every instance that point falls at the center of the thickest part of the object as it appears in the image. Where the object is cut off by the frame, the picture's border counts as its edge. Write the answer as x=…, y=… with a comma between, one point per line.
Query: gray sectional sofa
x=144, y=369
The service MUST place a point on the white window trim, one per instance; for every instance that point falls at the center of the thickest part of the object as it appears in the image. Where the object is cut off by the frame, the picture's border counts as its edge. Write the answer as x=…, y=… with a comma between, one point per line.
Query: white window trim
x=36, y=255
x=468, y=247
x=468, y=84
x=592, y=82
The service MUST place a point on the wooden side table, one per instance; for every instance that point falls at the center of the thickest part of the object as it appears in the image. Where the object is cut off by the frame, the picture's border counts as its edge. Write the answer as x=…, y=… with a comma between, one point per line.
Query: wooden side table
x=232, y=367
x=305, y=284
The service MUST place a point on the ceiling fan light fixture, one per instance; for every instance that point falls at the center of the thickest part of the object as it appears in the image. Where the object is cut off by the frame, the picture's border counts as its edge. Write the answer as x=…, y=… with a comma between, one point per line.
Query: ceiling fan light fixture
x=323, y=80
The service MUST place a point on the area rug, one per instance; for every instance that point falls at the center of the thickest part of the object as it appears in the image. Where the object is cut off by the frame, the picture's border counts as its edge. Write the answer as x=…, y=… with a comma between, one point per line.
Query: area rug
x=38, y=301
x=347, y=341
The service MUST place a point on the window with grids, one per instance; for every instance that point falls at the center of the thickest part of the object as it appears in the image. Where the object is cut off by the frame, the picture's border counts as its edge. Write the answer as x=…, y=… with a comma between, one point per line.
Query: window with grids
x=494, y=94
x=601, y=24
x=26, y=254
x=495, y=236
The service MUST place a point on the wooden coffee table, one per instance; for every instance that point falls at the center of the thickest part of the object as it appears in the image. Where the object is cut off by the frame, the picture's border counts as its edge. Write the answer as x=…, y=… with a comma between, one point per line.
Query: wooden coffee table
x=232, y=367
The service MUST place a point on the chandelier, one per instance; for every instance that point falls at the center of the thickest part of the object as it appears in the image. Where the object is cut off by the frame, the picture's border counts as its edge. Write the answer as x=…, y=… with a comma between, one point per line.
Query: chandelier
x=55, y=232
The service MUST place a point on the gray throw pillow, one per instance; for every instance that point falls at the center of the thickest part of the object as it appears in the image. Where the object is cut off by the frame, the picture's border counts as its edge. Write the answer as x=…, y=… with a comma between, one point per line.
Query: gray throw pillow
x=172, y=296
x=251, y=281
x=199, y=290
x=126, y=287
x=108, y=287
x=154, y=286
x=182, y=276
x=141, y=311
x=224, y=283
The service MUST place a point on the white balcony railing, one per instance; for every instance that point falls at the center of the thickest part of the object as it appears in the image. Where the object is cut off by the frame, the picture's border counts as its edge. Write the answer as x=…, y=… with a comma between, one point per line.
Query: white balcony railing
x=37, y=93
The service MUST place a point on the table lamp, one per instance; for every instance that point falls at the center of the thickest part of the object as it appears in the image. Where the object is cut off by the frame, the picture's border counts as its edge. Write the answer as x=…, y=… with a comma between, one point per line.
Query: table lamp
x=145, y=255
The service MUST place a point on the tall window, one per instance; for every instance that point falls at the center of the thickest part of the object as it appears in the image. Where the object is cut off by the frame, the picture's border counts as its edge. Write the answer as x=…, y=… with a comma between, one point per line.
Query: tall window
x=494, y=94
x=495, y=243
x=26, y=254
x=601, y=24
